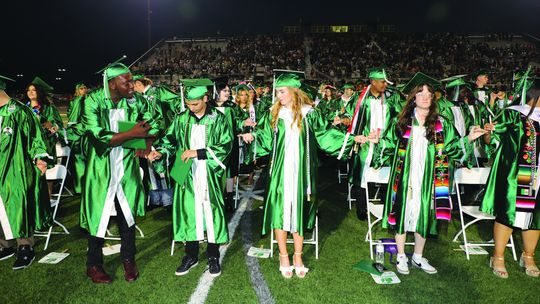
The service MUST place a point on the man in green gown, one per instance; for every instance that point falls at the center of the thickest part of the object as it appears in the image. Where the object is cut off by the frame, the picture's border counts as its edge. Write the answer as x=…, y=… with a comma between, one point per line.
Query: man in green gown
x=24, y=200
x=117, y=120
x=201, y=138
x=373, y=111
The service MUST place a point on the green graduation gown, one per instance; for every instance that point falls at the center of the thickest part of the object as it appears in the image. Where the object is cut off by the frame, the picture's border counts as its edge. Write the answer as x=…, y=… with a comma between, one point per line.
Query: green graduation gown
x=49, y=112
x=368, y=120
x=424, y=214
x=198, y=204
x=24, y=199
x=75, y=132
x=112, y=171
x=501, y=198
x=291, y=193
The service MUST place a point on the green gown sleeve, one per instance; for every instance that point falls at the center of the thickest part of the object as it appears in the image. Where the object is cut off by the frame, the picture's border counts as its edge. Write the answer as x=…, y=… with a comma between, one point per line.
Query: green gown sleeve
x=91, y=118
x=264, y=135
x=385, y=150
x=328, y=139
x=457, y=148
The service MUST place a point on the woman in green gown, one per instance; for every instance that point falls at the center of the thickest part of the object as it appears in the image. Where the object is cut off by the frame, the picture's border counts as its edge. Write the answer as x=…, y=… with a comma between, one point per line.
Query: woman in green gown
x=290, y=133
x=418, y=193
x=75, y=132
x=512, y=186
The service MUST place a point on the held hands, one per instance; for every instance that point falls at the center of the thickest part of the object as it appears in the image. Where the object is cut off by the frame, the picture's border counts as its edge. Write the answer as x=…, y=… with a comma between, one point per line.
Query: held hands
x=42, y=166
x=490, y=127
x=188, y=154
x=372, y=137
x=50, y=127
x=140, y=130
x=346, y=121
x=249, y=123
x=248, y=137
x=336, y=121
x=475, y=132
x=154, y=155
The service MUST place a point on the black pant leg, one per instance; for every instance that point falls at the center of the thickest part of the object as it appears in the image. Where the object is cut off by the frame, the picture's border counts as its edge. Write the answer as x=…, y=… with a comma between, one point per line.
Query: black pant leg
x=192, y=249
x=127, y=235
x=94, y=255
x=360, y=197
x=212, y=251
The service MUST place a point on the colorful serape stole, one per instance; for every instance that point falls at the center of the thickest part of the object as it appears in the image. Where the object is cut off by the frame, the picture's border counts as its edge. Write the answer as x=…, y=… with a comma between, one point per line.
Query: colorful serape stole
x=526, y=177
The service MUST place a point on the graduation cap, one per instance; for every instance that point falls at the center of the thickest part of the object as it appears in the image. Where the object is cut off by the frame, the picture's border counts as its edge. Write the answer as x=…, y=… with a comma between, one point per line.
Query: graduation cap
x=111, y=71
x=347, y=86
x=455, y=82
x=378, y=73
x=3, y=84
x=420, y=79
x=286, y=80
x=138, y=76
x=193, y=89
x=41, y=83
x=80, y=85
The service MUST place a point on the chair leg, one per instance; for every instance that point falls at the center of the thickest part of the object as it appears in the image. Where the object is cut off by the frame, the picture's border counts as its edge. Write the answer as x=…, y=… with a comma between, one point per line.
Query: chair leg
x=316, y=231
x=48, y=238
x=140, y=231
x=272, y=243
x=172, y=247
x=513, y=247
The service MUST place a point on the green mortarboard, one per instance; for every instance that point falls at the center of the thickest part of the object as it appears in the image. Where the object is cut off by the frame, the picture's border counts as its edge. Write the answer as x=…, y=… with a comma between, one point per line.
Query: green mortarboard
x=288, y=80
x=3, y=83
x=310, y=91
x=242, y=87
x=419, y=79
x=455, y=82
x=379, y=74
x=193, y=89
x=347, y=86
x=194, y=93
x=111, y=71
x=138, y=76
x=79, y=85
x=45, y=86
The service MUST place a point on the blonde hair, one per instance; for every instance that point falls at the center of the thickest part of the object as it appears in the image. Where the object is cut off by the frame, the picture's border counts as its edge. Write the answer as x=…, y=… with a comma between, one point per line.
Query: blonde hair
x=299, y=98
x=249, y=100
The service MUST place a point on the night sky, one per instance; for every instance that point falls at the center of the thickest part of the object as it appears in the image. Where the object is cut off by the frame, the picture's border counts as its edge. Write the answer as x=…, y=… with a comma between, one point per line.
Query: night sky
x=81, y=36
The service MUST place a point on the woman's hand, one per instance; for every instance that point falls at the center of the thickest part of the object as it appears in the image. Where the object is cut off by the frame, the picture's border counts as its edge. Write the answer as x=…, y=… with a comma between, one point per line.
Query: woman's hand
x=154, y=155
x=475, y=132
x=249, y=123
x=248, y=137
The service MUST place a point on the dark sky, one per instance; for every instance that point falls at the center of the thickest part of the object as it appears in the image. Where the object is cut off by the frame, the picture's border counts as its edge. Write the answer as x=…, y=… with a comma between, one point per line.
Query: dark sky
x=40, y=36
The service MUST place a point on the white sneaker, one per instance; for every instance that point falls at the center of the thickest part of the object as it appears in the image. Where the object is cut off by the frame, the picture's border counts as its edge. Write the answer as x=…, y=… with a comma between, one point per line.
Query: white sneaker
x=403, y=265
x=424, y=265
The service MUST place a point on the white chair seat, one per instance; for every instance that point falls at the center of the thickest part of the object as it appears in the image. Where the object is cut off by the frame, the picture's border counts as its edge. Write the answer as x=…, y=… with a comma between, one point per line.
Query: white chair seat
x=376, y=210
x=474, y=211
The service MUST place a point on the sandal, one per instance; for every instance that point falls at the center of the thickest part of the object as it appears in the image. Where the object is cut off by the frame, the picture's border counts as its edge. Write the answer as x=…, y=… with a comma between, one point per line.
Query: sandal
x=531, y=271
x=301, y=270
x=286, y=271
x=498, y=271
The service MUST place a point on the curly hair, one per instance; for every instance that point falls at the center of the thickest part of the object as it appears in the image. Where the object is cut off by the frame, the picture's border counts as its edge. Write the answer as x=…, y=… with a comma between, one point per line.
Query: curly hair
x=40, y=93
x=404, y=119
x=299, y=98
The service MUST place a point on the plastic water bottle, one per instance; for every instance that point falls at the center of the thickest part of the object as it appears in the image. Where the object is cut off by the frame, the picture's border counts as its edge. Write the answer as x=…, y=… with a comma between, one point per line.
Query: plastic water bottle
x=379, y=253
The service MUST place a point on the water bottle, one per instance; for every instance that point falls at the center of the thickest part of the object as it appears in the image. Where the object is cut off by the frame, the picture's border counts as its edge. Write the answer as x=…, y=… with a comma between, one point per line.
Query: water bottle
x=379, y=253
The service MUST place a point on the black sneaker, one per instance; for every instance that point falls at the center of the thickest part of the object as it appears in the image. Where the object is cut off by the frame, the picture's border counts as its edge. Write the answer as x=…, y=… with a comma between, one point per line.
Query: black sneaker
x=213, y=267
x=187, y=264
x=25, y=257
x=6, y=253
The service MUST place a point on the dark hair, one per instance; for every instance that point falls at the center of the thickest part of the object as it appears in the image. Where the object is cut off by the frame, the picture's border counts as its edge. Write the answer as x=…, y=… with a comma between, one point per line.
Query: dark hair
x=40, y=92
x=466, y=94
x=404, y=118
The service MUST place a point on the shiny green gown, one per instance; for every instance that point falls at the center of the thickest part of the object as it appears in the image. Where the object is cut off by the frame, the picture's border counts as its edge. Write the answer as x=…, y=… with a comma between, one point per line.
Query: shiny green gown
x=362, y=156
x=50, y=113
x=457, y=149
x=75, y=135
x=198, y=205
x=112, y=172
x=501, y=199
x=231, y=111
x=24, y=199
x=289, y=205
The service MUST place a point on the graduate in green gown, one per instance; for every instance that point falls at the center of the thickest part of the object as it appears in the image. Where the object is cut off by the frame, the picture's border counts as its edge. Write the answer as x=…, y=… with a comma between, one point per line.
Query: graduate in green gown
x=342, y=108
x=47, y=113
x=24, y=200
x=118, y=122
x=225, y=105
x=418, y=146
x=512, y=186
x=75, y=132
x=161, y=98
x=200, y=138
x=246, y=119
x=290, y=133
x=373, y=111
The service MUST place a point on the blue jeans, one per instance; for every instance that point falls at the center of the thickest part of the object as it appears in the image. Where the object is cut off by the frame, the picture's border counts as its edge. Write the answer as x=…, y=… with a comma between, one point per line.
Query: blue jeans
x=161, y=197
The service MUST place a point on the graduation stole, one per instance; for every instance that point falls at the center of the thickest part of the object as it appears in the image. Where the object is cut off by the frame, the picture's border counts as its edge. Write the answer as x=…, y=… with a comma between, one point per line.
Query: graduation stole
x=441, y=172
x=526, y=176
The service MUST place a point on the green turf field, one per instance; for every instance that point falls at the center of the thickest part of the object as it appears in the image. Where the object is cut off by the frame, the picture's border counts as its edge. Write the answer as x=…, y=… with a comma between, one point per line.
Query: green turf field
x=331, y=279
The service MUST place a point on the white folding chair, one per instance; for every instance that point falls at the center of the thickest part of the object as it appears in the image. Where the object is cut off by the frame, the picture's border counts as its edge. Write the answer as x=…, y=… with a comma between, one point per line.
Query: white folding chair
x=474, y=176
x=340, y=174
x=63, y=156
x=56, y=174
x=350, y=198
x=375, y=207
x=314, y=240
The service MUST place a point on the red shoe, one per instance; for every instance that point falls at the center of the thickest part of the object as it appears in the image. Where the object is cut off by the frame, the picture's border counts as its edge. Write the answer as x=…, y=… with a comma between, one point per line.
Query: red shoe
x=131, y=273
x=98, y=275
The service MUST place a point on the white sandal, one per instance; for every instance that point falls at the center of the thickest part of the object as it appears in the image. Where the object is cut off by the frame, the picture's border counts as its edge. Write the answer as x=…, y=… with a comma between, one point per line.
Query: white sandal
x=301, y=270
x=286, y=271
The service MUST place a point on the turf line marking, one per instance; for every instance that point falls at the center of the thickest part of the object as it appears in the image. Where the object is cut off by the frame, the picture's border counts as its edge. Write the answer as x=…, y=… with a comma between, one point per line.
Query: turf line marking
x=206, y=281
x=255, y=275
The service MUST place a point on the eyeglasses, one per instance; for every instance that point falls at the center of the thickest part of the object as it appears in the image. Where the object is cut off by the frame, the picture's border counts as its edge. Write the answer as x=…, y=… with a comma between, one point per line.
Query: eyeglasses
x=424, y=95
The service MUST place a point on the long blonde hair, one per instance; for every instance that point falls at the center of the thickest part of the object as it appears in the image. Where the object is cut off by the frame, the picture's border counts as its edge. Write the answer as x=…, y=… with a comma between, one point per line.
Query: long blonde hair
x=299, y=98
x=248, y=100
